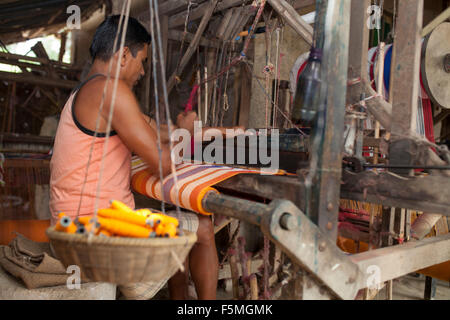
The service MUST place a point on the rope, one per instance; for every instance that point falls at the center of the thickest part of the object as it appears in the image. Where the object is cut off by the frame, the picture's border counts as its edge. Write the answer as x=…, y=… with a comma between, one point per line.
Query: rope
x=157, y=113
x=166, y=99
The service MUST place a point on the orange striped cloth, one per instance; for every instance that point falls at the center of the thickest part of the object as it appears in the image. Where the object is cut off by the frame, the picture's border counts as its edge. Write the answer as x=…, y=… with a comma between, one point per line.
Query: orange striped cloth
x=194, y=181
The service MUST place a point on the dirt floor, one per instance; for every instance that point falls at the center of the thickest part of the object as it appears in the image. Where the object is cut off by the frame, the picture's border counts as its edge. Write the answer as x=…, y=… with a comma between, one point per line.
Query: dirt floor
x=410, y=287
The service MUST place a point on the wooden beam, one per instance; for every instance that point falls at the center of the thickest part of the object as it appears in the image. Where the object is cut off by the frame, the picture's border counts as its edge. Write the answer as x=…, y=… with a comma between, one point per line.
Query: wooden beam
x=441, y=116
x=177, y=35
x=300, y=4
x=396, y=261
x=170, y=7
x=193, y=45
x=437, y=21
x=179, y=19
x=26, y=78
x=17, y=57
x=285, y=10
x=428, y=194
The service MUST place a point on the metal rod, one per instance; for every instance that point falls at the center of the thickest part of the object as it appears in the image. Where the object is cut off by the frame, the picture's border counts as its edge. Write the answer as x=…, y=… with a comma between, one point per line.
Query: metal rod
x=393, y=166
x=241, y=209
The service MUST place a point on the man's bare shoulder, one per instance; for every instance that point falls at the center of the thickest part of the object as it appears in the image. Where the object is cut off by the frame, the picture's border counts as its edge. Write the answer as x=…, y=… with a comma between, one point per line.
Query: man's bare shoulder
x=90, y=97
x=91, y=93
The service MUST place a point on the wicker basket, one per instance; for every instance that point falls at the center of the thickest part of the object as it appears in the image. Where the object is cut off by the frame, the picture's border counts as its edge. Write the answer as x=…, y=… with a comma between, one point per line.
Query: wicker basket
x=122, y=260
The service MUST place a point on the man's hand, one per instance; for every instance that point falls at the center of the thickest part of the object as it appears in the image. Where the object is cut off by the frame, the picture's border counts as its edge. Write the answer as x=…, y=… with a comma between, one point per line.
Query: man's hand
x=186, y=120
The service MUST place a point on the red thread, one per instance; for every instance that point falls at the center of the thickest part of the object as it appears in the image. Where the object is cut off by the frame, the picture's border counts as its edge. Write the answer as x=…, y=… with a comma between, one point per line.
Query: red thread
x=191, y=102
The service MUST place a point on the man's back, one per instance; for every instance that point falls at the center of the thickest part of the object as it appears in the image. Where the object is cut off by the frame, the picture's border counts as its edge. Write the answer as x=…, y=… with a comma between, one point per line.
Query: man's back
x=70, y=160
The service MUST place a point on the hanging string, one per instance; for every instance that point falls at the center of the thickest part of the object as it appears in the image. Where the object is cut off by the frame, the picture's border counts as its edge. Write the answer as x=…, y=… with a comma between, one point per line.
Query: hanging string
x=166, y=101
x=191, y=3
x=280, y=111
x=235, y=61
x=243, y=53
x=102, y=102
x=226, y=105
x=111, y=111
x=157, y=113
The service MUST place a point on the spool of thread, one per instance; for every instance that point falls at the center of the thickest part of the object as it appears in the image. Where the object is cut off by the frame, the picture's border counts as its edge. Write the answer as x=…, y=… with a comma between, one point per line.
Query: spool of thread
x=65, y=224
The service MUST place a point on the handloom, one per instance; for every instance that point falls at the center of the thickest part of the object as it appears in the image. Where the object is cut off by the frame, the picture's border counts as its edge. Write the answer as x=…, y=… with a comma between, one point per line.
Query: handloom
x=194, y=181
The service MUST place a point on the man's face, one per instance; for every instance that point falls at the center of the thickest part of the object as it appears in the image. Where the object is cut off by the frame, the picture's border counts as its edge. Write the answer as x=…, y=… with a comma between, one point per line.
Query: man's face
x=133, y=68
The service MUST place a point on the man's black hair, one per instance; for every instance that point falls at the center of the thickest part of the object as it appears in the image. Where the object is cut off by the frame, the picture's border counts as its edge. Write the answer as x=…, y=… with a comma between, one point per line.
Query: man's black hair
x=103, y=42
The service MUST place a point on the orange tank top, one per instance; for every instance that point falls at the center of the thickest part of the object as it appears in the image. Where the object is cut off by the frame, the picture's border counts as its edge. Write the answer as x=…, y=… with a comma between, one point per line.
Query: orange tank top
x=69, y=162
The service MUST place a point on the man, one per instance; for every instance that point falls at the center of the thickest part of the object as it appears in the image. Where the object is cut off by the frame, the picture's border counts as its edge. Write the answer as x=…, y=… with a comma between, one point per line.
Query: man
x=74, y=171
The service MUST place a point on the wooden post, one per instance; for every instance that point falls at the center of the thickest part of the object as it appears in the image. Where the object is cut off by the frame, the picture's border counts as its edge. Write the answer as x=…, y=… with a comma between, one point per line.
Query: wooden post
x=234, y=275
x=325, y=192
x=405, y=80
x=62, y=48
x=358, y=47
x=254, y=287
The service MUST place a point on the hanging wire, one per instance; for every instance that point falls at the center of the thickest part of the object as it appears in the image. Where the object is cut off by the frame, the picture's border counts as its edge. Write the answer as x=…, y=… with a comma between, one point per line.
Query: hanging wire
x=102, y=102
x=154, y=10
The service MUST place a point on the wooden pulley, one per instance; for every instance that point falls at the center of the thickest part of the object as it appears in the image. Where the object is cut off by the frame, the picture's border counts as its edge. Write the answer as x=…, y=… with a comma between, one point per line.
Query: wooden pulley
x=435, y=66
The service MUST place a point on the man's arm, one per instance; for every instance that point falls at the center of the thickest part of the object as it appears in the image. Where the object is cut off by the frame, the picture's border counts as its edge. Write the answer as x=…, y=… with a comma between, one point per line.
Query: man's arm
x=164, y=132
x=134, y=130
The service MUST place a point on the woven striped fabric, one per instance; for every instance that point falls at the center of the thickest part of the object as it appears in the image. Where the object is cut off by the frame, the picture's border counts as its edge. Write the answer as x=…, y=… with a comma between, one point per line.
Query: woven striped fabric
x=194, y=181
